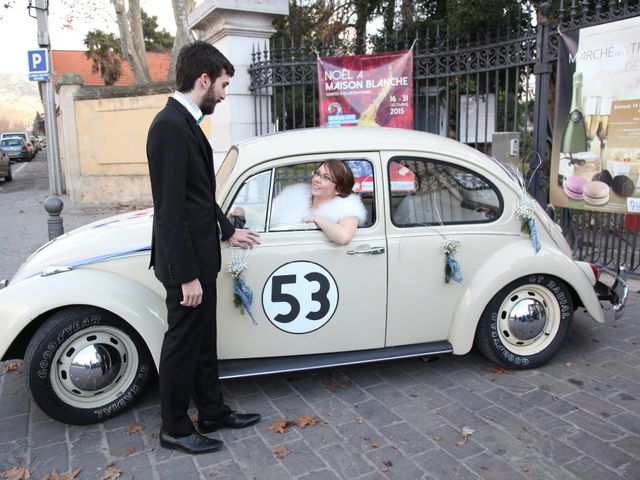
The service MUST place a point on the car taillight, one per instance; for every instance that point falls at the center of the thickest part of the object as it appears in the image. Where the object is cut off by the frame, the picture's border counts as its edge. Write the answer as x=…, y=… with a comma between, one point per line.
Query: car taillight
x=596, y=272
x=24, y=149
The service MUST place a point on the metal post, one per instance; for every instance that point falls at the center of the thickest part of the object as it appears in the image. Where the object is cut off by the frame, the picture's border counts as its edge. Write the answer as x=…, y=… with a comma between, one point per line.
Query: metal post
x=54, y=206
x=53, y=152
x=542, y=71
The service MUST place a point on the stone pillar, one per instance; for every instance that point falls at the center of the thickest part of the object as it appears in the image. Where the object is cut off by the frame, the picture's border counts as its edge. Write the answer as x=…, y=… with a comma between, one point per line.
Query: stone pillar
x=236, y=28
x=68, y=85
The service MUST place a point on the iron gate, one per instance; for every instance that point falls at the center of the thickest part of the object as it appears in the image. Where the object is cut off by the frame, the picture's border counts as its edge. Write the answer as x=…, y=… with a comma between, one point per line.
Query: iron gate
x=507, y=75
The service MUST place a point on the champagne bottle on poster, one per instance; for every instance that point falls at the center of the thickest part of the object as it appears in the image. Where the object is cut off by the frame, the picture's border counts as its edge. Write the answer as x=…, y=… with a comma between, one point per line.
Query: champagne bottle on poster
x=574, y=136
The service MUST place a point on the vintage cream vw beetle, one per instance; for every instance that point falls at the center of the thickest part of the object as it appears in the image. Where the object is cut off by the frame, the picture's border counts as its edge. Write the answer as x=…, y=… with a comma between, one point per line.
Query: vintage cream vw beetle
x=89, y=316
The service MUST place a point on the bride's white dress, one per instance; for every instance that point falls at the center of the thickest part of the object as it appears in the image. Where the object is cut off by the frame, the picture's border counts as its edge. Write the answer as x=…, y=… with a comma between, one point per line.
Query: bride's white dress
x=294, y=203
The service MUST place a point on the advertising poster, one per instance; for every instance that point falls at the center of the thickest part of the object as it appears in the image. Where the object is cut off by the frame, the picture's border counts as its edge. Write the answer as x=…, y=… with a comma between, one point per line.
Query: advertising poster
x=366, y=90
x=596, y=139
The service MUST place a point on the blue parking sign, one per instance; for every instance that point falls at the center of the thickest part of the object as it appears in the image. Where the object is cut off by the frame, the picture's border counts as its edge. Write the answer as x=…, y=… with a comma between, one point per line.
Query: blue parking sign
x=38, y=64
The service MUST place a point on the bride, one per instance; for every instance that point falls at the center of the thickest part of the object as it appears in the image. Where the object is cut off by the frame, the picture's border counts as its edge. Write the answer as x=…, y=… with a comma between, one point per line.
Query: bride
x=328, y=202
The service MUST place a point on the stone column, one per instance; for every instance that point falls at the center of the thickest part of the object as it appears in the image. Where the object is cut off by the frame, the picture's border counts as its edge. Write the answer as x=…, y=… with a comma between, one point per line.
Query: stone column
x=236, y=28
x=68, y=85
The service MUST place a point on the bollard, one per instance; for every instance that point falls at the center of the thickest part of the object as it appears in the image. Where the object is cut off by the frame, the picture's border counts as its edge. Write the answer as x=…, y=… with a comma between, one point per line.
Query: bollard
x=54, y=206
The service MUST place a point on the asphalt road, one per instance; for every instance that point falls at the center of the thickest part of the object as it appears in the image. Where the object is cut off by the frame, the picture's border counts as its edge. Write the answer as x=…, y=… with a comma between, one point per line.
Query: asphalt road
x=23, y=220
x=449, y=417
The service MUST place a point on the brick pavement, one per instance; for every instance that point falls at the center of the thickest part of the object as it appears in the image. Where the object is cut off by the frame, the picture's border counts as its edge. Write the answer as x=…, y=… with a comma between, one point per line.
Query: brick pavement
x=576, y=418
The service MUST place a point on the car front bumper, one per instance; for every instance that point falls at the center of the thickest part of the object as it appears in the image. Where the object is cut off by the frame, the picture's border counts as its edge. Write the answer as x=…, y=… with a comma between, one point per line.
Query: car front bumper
x=613, y=292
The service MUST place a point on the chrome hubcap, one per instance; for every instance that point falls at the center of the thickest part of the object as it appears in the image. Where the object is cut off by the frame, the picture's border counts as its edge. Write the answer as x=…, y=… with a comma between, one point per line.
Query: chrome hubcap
x=94, y=367
x=528, y=320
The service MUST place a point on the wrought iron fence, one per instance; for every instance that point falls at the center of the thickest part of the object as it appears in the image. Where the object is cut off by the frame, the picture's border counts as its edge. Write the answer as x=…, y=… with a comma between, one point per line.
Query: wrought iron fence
x=466, y=90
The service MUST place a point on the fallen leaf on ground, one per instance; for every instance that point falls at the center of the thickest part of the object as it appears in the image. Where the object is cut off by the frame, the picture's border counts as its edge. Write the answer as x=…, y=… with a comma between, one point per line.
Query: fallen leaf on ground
x=335, y=383
x=484, y=467
x=499, y=370
x=437, y=438
x=467, y=431
x=387, y=463
x=127, y=452
x=280, y=426
x=281, y=451
x=371, y=442
x=526, y=468
x=16, y=474
x=111, y=473
x=134, y=427
x=568, y=364
x=304, y=420
x=11, y=367
x=360, y=419
x=395, y=446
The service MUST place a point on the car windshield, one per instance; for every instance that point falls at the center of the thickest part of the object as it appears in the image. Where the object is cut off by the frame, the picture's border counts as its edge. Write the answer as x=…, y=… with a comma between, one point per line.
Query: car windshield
x=12, y=142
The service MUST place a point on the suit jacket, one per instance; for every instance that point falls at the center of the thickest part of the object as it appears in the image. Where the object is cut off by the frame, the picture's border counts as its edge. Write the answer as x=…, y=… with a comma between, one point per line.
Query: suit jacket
x=187, y=221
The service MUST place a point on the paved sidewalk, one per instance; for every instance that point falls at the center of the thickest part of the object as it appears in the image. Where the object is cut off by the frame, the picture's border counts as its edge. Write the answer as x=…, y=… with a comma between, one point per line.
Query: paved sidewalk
x=576, y=418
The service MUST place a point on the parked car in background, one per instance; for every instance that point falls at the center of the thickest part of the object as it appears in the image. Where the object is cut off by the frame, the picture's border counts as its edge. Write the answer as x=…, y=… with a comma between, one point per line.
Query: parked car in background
x=5, y=166
x=16, y=148
x=27, y=140
x=88, y=315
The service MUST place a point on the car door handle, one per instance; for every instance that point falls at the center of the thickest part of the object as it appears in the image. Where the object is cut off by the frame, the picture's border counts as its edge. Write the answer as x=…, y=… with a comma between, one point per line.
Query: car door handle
x=371, y=251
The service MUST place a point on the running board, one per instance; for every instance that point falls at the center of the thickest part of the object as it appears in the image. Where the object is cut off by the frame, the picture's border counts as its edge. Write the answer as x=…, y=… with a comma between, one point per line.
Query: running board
x=265, y=366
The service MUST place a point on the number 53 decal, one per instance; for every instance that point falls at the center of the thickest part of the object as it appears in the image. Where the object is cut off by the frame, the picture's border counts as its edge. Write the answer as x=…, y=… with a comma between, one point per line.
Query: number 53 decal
x=300, y=297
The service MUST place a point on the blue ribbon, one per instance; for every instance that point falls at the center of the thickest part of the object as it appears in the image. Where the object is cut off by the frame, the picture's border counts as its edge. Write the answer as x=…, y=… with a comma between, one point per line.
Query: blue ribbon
x=534, y=234
x=244, y=293
x=456, y=274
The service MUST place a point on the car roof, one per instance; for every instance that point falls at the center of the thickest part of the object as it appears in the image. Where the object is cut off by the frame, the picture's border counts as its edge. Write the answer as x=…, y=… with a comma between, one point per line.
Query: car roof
x=310, y=141
x=14, y=134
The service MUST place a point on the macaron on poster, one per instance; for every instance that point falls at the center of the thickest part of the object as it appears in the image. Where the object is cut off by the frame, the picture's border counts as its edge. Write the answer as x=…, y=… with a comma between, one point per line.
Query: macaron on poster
x=595, y=161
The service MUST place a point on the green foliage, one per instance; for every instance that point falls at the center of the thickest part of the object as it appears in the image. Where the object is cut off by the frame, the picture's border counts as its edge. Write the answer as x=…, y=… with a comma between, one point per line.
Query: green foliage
x=155, y=40
x=38, y=124
x=105, y=53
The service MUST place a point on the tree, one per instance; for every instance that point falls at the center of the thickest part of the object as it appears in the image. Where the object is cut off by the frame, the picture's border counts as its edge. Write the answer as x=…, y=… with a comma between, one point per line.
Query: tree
x=181, y=11
x=131, y=37
x=104, y=51
x=38, y=124
x=155, y=40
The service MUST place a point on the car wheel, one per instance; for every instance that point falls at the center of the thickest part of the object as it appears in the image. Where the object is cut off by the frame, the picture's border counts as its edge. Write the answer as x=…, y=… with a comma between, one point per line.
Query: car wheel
x=525, y=323
x=9, y=176
x=85, y=365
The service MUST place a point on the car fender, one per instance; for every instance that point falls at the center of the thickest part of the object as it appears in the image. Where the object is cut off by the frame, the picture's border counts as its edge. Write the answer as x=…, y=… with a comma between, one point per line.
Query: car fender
x=508, y=264
x=28, y=299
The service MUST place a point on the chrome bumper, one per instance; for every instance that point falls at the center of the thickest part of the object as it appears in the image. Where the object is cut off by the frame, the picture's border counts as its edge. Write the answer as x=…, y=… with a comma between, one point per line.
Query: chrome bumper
x=3, y=283
x=613, y=297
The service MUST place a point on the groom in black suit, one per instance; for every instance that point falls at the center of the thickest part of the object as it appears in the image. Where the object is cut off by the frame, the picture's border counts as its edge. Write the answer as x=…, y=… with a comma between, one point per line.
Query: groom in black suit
x=185, y=252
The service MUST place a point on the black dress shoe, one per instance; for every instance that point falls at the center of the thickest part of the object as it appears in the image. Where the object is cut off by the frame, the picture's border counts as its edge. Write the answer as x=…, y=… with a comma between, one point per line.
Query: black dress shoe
x=230, y=420
x=193, y=444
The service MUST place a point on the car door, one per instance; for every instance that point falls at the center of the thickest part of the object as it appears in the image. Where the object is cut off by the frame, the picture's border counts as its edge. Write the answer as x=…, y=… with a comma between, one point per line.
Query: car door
x=433, y=198
x=309, y=295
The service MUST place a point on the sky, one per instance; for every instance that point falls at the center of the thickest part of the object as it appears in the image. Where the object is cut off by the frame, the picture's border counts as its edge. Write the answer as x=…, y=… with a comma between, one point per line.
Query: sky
x=18, y=29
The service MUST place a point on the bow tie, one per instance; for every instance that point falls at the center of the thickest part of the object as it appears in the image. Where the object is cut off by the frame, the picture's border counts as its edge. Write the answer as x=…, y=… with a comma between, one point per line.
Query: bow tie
x=200, y=119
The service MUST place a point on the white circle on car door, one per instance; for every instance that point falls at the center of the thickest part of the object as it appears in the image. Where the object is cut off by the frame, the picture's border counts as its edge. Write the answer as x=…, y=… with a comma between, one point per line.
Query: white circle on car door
x=300, y=297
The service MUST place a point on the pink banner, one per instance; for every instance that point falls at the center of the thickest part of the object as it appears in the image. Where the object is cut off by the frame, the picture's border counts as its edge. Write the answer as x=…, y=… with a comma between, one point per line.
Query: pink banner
x=367, y=90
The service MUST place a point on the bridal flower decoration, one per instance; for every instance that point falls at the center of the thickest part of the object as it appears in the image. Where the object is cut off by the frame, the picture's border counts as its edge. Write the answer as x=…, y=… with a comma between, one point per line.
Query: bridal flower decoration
x=526, y=212
x=242, y=293
x=451, y=266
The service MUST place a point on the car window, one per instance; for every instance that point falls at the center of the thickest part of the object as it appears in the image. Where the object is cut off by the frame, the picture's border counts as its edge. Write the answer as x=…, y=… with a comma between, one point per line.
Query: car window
x=12, y=142
x=291, y=191
x=429, y=192
x=249, y=207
